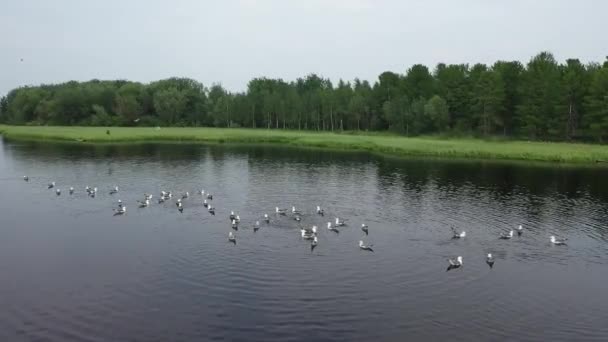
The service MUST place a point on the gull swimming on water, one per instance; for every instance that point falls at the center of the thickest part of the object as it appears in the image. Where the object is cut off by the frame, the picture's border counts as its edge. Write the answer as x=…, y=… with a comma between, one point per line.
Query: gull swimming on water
x=340, y=223
x=294, y=211
x=266, y=218
x=520, y=230
x=365, y=247
x=454, y=263
x=309, y=233
x=505, y=236
x=364, y=228
x=490, y=260
x=235, y=225
x=557, y=241
x=256, y=226
x=209, y=196
x=320, y=211
x=211, y=210
x=231, y=215
x=332, y=228
x=313, y=244
x=186, y=195
x=114, y=191
x=280, y=211
x=143, y=204
x=121, y=210
x=51, y=185
x=205, y=204
x=180, y=207
x=457, y=235
x=232, y=237
x=26, y=178
x=71, y=190
x=58, y=192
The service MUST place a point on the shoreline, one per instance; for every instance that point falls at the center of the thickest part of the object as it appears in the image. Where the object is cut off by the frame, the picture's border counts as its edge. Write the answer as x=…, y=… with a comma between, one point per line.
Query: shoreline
x=391, y=145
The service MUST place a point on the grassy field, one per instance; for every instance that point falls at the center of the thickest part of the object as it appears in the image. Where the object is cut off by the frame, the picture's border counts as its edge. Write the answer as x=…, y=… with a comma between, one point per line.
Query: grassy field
x=385, y=144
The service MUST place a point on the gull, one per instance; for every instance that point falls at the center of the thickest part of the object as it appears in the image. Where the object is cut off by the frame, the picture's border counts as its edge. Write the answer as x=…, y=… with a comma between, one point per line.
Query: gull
x=143, y=204
x=121, y=210
x=505, y=236
x=211, y=210
x=332, y=228
x=256, y=226
x=180, y=207
x=294, y=211
x=313, y=244
x=235, y=225
x=364, y=228
x=114, y=191
x=340, y=223
x=365, y=247
x=490, y=260
x=51, y=185
x=26, y=178
x=58, y=192
x=186, y=195
x=266, y=218
x=454, y=263
x=520, y=230
x=309, y=233
x=71, y=190
x=232, y=237
x=320, y=211
x=457, y=235
x=558, y=241
x=280, y=211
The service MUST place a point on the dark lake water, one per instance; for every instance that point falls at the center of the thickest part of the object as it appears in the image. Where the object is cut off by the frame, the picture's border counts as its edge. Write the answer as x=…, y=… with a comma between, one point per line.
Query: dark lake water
x=71, y=271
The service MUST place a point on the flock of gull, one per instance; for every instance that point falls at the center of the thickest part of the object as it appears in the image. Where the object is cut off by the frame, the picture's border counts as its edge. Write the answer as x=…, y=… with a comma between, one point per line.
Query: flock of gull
x=307, y=233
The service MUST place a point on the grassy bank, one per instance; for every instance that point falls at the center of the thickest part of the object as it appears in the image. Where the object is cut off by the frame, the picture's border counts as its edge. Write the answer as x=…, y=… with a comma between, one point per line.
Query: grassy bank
x=394, y=145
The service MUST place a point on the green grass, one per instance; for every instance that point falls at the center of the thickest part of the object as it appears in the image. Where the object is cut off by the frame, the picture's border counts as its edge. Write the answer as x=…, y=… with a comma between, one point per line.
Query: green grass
x=379, y=143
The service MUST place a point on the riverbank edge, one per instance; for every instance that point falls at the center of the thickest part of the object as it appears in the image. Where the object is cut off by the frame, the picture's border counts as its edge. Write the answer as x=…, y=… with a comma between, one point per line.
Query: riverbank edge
x=394, y=146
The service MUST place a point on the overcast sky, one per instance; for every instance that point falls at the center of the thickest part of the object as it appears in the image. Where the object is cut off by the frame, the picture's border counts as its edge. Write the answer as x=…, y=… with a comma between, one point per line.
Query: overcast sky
x=232, y=41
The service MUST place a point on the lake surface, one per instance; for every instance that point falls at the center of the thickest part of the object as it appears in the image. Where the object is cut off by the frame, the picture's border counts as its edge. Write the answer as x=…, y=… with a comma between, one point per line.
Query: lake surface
x=71, y=271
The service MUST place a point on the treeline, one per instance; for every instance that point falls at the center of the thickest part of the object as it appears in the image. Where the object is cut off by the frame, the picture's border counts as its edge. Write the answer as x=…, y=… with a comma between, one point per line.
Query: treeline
x=543, y=99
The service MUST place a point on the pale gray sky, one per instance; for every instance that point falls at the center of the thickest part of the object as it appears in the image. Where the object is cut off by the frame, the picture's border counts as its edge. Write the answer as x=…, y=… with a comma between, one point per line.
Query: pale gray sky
x=232, y=41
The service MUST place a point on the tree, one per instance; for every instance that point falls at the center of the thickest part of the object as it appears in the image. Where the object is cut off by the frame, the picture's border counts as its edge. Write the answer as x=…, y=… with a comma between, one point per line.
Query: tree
x=510, y=73
x=540, y=91
x=436, y=110
x=596, y=104
x=487, y=100
x=169, y=104
x=575, y=84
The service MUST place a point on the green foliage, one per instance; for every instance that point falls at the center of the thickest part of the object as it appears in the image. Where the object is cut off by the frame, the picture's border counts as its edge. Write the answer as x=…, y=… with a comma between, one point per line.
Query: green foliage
x=436, y=110
x=543, y=99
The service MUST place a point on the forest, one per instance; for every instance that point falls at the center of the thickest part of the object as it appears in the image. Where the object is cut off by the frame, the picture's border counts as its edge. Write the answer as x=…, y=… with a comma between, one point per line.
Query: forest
x=541, y=100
